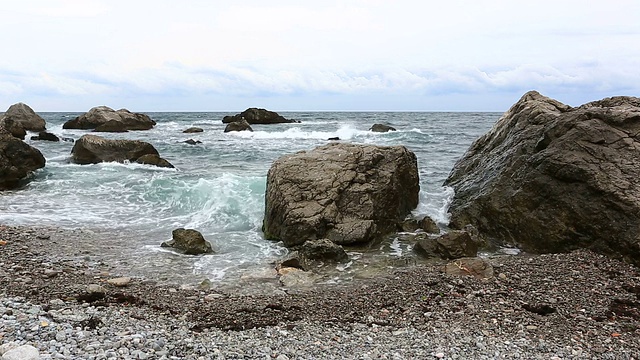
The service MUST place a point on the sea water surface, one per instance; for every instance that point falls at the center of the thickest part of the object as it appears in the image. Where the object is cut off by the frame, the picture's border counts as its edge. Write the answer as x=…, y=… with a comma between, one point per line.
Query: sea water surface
x=218, y=187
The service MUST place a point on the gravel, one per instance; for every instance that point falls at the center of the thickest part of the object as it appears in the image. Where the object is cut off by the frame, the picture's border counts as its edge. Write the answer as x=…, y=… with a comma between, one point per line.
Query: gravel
x=564, y=306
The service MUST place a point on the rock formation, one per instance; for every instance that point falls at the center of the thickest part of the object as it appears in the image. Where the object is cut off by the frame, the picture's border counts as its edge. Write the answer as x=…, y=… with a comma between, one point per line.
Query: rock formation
x=452, y=245
x=346, y=193
x=258, y=116
x=25, y=117
x=92, y=149
x=17, y=161
x=154, y=159
x=240, y=125
x=189, y=242
x=193, y=130
x=46, y=136
x=381, y=128
x=552, y=178
x=102, y=114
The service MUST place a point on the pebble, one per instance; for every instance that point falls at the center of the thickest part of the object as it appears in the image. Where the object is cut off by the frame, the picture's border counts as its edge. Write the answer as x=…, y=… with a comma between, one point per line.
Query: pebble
x=120, y=281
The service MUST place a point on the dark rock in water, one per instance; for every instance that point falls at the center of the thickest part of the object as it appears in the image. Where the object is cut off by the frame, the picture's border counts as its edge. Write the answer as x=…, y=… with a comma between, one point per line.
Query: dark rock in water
x=102, y=114
x=153, y=159
x=429, y=226
x=347, y=193
x=67, y=139
x=13, y=128
x=552, y=178
x=240, y=125
x=25, y=117
x=46, y=136
x=193, y=142
x=258, y=116
x=92, y=149
x=471, y=266
x=381, y=128
x=189, y=242
x=17, y=161
x=333, y=138
x=323, y=249
x=452, y=245
x=111, y=126
x=193, y=130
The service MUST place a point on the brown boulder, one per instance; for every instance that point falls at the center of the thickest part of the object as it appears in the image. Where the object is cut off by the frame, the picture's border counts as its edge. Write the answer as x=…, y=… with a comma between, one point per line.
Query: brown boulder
x=154, y=159
x=381, y=128
x=46, y=136
x=258, y=116
x=111, y=126
x=189, y=242
x=552, y=178
x=429, y=226
x=346, y=193
x=92, y=149
x=102, y=114
x=25, y=117
x=17, y=161
x=13, y=128
x=452, y=245
x=240, y=125
x=472, y=266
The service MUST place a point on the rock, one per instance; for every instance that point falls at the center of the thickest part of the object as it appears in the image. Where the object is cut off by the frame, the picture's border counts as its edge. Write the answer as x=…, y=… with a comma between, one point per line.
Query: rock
x=120, y=281
x=193, y=130
x=293, y=277
x=17, y=161
x=295, y=260
x=473, y=266
x=153, y=159
x=102, y=114
x=193, y=142
x=347, y=193
x=111, y=126
x=13, y=128
x=258, y=116
x=429, y=226
x=409, y=225
x=381, y=128
x=24, y=352
x=239, y=125
x=189, y=241
x=92, y=149
x=323, y=249
x=25, y=117
x=46, y=136
x=452, y=245
x=95, y=288
x=335, y=138
x=551, y=178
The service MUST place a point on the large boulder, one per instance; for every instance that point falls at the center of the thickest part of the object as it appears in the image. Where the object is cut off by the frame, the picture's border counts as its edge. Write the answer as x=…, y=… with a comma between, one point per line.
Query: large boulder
x=452, y=245
x=24, y=116
x=346, y=193
x=17, y=160
x=92, y=149
x=102, y=114
x=381, y=128
x=258, y=116
x=12, y=127
x=552, y=178
x=240, y=125
x=189, y=242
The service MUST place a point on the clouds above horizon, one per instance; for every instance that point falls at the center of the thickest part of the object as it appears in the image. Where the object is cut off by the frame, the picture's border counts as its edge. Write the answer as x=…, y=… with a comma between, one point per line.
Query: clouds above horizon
x=335, y=55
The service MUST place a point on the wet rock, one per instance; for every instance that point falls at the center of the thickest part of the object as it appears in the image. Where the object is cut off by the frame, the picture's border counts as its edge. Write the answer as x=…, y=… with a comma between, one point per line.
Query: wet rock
x=193, y=130
x=409, y=225
x=13, y=128
x=346, y=193
x=193, y=142
x=452, y=245
x=23, y=116
x=258, y=116
x=46, y=136
x=239, y=125
x=111, y=126
x=153, y=159
x=473, y=266
x=381, y=128
x=91, y=149
x=102, y=114
x=17, y=161
x=429, y=226
x=189, y=242
x=323, y=249
x=335, y=138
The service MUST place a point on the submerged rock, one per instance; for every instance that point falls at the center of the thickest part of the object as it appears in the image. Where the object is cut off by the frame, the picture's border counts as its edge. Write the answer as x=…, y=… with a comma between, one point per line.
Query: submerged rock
x=192, y=142
x=17, y=160
x=25, y=117
x=46, y=136
x=346, y=193
x=552, y=178
x=153, y=159
x=193, y=130
x=189, y=242
x=258, y=116
x=381, y=128
x=92, y=149
x=120, y=120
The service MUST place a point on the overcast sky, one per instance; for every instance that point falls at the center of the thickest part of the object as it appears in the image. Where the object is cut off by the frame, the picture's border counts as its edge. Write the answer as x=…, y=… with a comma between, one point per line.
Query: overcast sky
x=205, y=55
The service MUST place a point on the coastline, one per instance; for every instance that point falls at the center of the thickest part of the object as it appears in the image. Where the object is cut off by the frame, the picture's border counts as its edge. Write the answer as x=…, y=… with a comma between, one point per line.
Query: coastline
x=411, y=312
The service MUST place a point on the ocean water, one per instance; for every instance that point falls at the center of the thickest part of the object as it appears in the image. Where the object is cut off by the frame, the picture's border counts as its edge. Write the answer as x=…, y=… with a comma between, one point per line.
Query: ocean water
x=218, y=188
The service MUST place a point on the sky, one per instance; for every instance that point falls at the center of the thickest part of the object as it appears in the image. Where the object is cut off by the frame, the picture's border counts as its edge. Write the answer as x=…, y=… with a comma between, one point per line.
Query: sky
x=349, y=55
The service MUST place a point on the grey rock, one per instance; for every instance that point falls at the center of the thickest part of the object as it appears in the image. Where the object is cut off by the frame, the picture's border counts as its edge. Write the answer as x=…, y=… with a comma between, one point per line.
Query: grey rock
x=239, y=125
x=472, y=266
x=25, y=117
x=193, y=130
x=189, y=241
x=91, y=149
x=24, y=352
x=381, y=128
x=452, y=245
x=11, y=127
x=102, y=114
x=17, y=161
x=323, y=249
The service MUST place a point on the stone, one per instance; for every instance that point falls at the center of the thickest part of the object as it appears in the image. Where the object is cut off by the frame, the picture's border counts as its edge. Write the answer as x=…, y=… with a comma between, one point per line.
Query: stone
x=120, y=281
x=25, y=117
x=189, y=242
x=13, y=128
x=154, y=159
x=551, y=178
x=111, y=126
x=24, y=352
x=102, y=114
x=473, y=266
x=193, y=130
x=429, y=226
x=46, y=136
x=239, y=125
x=18, y=160
x=452, y=245
x=258, y=116
x=409, y=225
x=293, y=277
x=323, y=249
x=193, y=142
x=381, y=128
x=95, y=288
x=347, y=193
x=92, y=149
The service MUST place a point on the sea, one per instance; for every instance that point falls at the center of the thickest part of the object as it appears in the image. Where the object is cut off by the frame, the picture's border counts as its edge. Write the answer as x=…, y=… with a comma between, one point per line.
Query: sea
x=217, y=187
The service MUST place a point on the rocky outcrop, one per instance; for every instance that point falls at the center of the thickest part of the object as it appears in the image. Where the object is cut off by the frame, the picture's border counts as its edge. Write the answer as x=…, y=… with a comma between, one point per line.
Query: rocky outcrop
x=17, y=161
x=552, y=178
x=154, y=159
x=92, y=149
x=111, y=126
x=192, y=130
x=258, y=116
x=346, y=193
x=25, y=117
x=381, y=128
x=102, y=114
x=11, y=127
x=240, y=125
x=46, y=136
x=189, y=242
x=452, y=245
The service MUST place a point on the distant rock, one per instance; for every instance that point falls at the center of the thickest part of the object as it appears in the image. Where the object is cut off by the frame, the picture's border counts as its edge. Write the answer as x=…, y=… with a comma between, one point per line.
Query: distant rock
x=46, y=136
x=381, y=128
x=92, y=149
x=347, y=193
x=258, y=116
x=452, y=245
x=153, y=159
x=240, y=125
x=193, y=142
x=193, y=130
x=25, y=117
x=189, y=242
x=100, y=115
x=335, y=138
x=551, y=178
x=17, y=161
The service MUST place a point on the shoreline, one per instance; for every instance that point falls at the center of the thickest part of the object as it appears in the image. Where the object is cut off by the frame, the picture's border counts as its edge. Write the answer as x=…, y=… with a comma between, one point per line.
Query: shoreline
x=594, y=305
